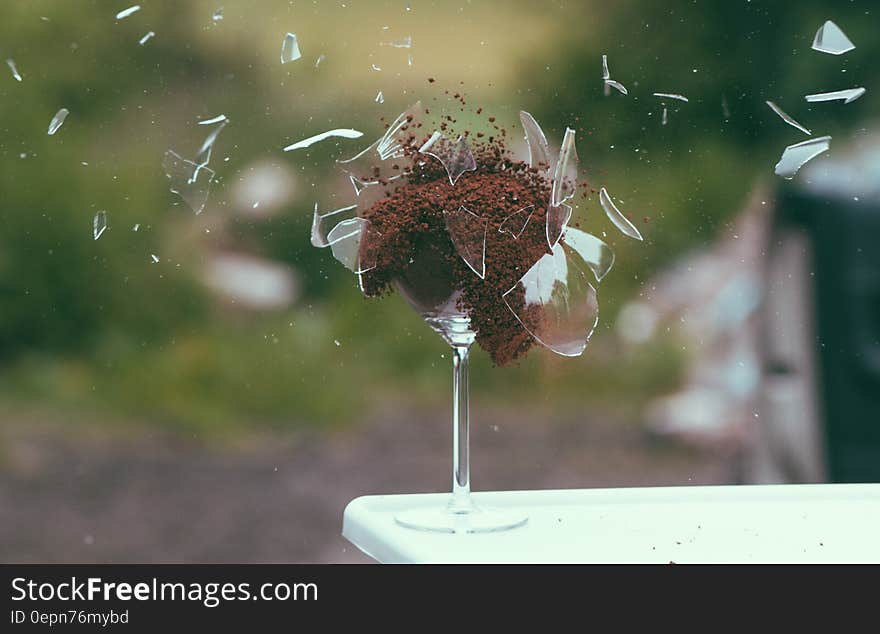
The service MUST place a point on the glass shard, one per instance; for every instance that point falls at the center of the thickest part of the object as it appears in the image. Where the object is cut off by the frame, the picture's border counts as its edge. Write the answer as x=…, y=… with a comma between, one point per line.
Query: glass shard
x=516, y=222
x=188, y=180
x=605, y=73
x=830, y=39
x=203, y=156
x=557, y=219
x=555, y=302
x=456, y=157
x=127, y=12
x=787, y=118
x=320, y=59
x=345, y=133
x=405, y=42
x=217, y=119
x=154, y=258
x=848, y=95
x=146, y=38
x=539, y=148
x=58, y=120
x=616, y=217
x=597, y=255
x=565, y=175
x=796, y=156
x=319, y=237
x=218, y=15
x=664, y=115
x=99, y=224
x=616, y=85
x=380, y=98
x=347, y=242
x=12, y=67
x=468, y=233
x=670, y=95
x=375, y=67
x=136, y=227
x=290, y=49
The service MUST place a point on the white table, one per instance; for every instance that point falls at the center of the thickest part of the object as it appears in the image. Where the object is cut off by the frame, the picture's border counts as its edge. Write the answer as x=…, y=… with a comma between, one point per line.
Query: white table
x=767, y=523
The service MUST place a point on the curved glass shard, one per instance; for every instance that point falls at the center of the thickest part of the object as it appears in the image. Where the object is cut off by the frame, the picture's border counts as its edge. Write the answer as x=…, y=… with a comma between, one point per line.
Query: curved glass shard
x=606, y=74
x=127, y=12
x=345, y=133
x=617, y=86
x=319, y=237
x=456, y=157
x=565, y=175
x=555, y=302
x=516, y=222
x=345, y=241
x=539, y=149
x=58, y=120
x=468, y=233
x=203, y=156
x=380, y=98
x=615, y=216
x=830, y=39
x=848, y=95
x=398, y=136
x=149, y=35
x=99, y=224
x=290, y=49
x=597, y=255
x=189, y=181
x=671, y=95
x=787, y=118
x=557, y=219
x=219, y=118
x=796, y=156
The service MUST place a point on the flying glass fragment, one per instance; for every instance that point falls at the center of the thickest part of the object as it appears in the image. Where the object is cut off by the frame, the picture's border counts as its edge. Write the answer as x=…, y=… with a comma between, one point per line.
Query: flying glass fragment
x=848, y=95
x=146, y=38
x=616, y=216
x=99, y=224
x=127, y=12
x=787, y=118
x=346, y=133
x=830, y=39
x=468, y=233
x=15, y=73
x=671, y=95
x=58, y=120
x=617, y=86
x=290, y=49
x=796, y=156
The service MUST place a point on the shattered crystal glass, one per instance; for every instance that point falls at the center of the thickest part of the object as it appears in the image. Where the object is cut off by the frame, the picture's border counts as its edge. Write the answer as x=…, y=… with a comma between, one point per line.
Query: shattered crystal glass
x=345, y=133
x=468, y=233
x=831, y=39
x=99, y=224
x=127, y=12
x=848, y=95
x=555, y=302
x=597, y=255
x=617, y=86
x=319, y=236
x=616, y=217
x=58, y=120
x=789, y=120
x=516, y=222
x=146, y=38
x=539, y=148
x=671, y=95
x=188, y=180
x=456, y=157
x=345, y=243
x=290, y=49
x=796, y=156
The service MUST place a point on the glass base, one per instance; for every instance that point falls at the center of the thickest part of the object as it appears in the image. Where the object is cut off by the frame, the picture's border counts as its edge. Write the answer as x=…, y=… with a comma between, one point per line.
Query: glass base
x=444, y=519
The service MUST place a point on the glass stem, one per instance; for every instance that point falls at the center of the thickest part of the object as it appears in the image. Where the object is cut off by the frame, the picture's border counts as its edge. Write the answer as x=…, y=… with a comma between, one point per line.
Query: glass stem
x=461, y=469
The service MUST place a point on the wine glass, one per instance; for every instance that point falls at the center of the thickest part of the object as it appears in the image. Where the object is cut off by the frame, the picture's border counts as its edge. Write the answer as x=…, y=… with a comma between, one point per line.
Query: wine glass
x=427, y=285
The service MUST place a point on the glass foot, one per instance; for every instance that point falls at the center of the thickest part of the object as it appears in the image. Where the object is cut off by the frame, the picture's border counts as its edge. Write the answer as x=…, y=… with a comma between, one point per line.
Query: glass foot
x=473, y=520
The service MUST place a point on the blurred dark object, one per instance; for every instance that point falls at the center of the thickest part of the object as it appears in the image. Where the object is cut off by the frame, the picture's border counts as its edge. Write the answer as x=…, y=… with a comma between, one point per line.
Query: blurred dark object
x=820, y=337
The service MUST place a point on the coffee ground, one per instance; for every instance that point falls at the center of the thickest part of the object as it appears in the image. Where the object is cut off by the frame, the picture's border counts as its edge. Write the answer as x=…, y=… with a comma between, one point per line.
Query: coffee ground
x=410, y=221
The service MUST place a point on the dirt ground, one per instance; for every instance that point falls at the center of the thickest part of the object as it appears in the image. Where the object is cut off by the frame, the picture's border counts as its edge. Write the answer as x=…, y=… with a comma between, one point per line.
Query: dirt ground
x=111, y=493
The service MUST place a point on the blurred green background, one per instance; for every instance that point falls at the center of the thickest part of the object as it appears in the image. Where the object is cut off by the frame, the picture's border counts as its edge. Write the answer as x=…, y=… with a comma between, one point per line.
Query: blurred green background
x=96, y=329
